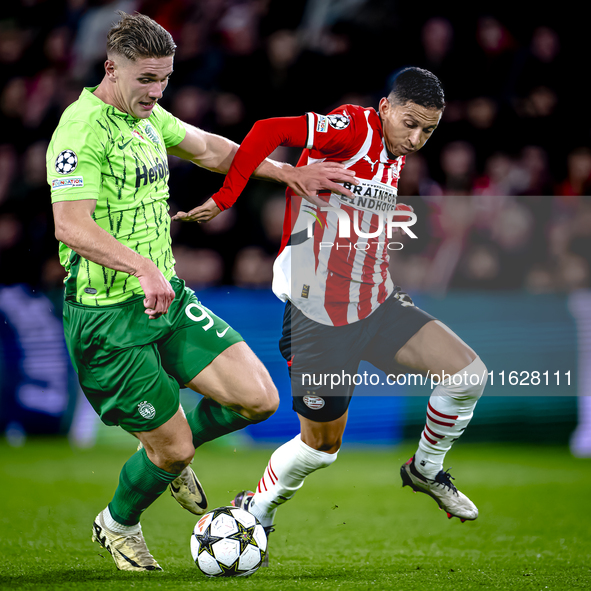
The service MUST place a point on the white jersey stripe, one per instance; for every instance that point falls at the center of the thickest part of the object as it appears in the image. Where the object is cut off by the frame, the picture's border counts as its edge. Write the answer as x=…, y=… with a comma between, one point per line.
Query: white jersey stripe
x=282, y=275
x=365, y=147
x=310, y=138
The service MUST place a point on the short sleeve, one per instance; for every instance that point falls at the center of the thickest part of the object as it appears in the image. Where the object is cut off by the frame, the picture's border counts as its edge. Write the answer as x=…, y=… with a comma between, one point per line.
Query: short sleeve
x=171, y=129
x=74, y=160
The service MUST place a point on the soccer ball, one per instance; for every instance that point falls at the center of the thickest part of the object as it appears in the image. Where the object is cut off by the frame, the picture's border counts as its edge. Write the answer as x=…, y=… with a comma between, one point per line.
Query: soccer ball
x=228, y=542
x=66, y=162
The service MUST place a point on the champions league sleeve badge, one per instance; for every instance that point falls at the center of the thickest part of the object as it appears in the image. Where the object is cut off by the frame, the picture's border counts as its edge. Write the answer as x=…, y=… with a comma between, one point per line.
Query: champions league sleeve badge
x=338, y=121
x=66, y=162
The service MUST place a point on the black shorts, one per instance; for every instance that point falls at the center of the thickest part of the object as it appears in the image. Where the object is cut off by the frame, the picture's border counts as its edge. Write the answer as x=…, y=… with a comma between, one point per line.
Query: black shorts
x=314, y=351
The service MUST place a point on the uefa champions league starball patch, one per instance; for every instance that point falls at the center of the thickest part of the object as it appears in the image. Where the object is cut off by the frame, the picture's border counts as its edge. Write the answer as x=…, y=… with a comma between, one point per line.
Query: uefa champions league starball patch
x=338, y=121
x=66, y=162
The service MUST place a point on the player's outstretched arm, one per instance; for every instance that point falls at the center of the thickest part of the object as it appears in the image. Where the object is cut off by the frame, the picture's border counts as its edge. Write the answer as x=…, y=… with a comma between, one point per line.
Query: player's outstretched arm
x=206, y=150
x=75, y=227
x=217, y=154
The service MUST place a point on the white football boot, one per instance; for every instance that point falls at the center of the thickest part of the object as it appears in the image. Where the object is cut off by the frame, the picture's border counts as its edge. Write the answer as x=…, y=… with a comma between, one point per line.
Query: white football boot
x=129, y=551
x=446, y=495
x=188, y=492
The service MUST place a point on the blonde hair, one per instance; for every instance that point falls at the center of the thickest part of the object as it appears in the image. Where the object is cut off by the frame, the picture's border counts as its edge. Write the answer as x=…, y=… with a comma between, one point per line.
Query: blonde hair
x=137, y=36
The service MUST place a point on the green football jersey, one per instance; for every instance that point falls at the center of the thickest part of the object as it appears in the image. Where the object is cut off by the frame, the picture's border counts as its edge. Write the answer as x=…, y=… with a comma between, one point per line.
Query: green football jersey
x=98, y=152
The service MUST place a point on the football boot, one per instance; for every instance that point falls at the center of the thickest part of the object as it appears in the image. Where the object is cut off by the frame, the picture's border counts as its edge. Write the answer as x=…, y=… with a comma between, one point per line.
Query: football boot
x=129, y=551
x=188, y=492
x=441, y=489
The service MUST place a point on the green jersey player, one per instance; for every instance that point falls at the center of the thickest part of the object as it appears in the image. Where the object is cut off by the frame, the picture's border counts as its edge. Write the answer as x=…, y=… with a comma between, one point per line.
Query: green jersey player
x=135, y=332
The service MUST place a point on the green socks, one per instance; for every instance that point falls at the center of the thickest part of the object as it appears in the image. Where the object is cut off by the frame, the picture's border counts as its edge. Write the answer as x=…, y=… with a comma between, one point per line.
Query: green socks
x=210, y=420
x=140, y=483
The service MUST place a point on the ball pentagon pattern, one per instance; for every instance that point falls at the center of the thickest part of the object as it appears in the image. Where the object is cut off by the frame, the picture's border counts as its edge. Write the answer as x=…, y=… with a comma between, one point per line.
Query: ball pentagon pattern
x=228, y=542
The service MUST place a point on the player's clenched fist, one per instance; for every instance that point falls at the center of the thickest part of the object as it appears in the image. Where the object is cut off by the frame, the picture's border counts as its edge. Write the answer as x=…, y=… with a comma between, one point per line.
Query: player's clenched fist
x=158, y=291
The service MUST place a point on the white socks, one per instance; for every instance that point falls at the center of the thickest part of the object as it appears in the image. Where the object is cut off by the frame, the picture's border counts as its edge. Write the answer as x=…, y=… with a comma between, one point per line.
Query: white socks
x=449, y=411
x=117, y=527
x=285, y=474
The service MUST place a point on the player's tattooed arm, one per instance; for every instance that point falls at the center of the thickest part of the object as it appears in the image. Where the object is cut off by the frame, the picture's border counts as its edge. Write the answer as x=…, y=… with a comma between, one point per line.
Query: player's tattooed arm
x=75, y=227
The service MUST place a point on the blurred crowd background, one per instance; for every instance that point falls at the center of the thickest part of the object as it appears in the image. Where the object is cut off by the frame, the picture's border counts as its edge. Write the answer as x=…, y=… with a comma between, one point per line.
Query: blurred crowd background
x=501, y=190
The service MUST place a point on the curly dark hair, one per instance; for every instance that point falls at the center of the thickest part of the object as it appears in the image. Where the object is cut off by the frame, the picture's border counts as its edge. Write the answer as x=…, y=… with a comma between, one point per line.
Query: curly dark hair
x=419, y=86
x=137, y=36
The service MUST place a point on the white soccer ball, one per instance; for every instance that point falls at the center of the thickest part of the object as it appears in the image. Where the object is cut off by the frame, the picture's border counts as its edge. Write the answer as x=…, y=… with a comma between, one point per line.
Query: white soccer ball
x=228, y=542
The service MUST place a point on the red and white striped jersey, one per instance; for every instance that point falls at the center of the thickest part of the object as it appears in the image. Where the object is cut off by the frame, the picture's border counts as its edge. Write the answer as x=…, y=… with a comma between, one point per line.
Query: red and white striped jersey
x=336, y=272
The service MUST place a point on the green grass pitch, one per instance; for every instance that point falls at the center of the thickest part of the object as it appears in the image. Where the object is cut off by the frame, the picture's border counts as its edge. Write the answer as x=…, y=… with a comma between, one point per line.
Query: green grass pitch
x=352, y=526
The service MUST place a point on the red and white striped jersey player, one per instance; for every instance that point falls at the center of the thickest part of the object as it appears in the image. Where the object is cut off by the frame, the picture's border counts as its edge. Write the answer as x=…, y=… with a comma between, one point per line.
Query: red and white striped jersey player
x=340, y=276
x=341, y=303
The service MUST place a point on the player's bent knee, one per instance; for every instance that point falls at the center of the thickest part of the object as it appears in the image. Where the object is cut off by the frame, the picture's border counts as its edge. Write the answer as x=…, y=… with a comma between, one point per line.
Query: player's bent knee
x=175, y=458
x=329, y=447
x=326, y=442
x=324, y=455
x=263, y=405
